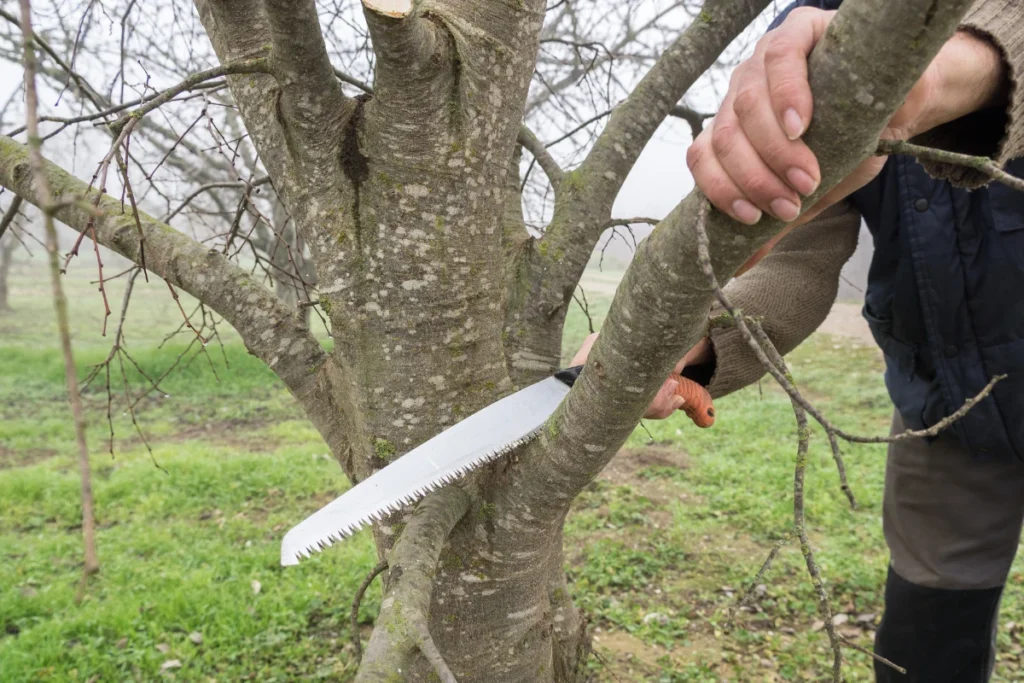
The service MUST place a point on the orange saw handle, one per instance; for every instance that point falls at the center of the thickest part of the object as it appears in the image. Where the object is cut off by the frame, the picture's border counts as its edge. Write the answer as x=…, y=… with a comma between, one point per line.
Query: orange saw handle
x=698, y=406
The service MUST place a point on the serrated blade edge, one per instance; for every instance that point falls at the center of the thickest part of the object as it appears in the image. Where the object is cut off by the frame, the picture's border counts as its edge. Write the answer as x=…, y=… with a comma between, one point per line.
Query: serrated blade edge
x=480, y=438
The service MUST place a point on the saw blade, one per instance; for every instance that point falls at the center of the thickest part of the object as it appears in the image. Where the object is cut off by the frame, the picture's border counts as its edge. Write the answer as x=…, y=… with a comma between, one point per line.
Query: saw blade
x=482, y=437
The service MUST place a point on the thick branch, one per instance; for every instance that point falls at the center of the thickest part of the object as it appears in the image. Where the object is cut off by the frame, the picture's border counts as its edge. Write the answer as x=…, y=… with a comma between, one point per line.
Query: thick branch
x=290, y=350
x=312, y=102
x=550, y=268
x=634, y=122
x=660, y=308
x=401, y=627
x=401, y=39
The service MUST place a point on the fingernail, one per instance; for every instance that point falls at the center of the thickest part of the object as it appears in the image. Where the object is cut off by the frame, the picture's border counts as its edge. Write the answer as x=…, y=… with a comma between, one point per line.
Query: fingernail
x=801, y=181
x=793, y=123
x=745, y=212
x=784, y=209
x=678, y=402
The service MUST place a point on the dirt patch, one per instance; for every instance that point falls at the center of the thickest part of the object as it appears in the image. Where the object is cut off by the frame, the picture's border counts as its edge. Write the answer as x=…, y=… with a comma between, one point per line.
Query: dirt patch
x=624, y=653
x=245, y=435
x=10, y=458
x=627, y=463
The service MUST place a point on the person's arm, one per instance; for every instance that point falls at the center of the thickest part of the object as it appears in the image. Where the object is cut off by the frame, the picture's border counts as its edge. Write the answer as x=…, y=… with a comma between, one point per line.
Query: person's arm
x=996, y=131
x=791, y=290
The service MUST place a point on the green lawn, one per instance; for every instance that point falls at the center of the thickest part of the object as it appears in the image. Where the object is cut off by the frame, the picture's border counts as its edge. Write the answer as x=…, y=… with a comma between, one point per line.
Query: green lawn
x=190, y=586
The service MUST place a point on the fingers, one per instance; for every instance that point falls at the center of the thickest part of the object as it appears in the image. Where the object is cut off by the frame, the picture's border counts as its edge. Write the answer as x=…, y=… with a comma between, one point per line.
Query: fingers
x=581, y=356
x=745, y=164
x=749, y=160
x=720, y=189
x=785, y=67
x=791, y=161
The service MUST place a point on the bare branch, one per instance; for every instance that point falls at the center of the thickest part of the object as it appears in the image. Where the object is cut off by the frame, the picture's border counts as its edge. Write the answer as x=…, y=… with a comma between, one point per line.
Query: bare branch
x=983, y=164
x=626, y=222
x=547, y=162
x=660, y=308
x=634, y=121
x=401, y=627
x=245, y=66
x=357, y=644
x=311, y=98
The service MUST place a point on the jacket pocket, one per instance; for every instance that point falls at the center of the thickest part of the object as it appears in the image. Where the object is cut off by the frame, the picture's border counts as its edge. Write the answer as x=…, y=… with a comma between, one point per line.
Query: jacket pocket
x=904, y=355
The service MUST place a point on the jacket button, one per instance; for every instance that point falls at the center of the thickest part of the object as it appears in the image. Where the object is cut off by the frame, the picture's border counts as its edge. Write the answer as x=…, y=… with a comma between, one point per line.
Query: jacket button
x=921, y=205
x=951, y=351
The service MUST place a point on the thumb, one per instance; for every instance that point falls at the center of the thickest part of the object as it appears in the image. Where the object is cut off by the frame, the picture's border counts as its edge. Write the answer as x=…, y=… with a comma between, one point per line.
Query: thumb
x=678, y=402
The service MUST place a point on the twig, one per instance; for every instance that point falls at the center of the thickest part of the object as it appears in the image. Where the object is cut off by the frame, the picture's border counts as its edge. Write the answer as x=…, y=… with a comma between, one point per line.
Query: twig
x=584, y=306
x=246, y=66
x=878, y=658
x=356, y=601
x=744, y=599
x=188, y=323
x=123, y=166
x=626, y=222
x=982, y=164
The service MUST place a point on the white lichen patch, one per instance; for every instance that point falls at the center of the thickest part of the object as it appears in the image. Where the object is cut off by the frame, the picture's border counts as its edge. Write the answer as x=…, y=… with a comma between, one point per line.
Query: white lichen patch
x=530, y=611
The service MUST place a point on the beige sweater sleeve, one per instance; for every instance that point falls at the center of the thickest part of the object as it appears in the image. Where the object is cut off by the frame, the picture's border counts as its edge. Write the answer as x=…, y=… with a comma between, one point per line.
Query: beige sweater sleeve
x=995, y=133
x=791, y=289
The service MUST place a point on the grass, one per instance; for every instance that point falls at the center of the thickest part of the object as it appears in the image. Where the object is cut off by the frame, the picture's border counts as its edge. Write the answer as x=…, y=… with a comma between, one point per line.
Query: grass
x=657, y=548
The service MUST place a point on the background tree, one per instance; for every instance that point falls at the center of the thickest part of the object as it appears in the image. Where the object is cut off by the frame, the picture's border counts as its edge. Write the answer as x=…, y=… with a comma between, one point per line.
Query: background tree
x=437, y=297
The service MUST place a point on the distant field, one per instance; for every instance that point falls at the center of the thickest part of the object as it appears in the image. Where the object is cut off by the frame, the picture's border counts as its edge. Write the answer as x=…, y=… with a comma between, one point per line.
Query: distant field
x=190, y=586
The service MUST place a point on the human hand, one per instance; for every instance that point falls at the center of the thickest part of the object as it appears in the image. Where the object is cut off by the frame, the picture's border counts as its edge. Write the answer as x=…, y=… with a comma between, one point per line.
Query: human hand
x=751, y=160
x=667, y=400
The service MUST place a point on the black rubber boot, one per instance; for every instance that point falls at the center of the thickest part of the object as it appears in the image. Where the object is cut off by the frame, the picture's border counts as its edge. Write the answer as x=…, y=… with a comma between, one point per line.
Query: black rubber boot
x=937, y=635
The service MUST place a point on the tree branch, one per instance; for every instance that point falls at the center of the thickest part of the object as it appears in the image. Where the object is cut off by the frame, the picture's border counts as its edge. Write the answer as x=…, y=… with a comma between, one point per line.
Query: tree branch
x=400, y=38
x=357, y=644
x=401, y=627
x=983, y=164
x=291, y=352
x=660, y=308
x=547, y=162
x=312, y=102
x=245, y=66
x=634, y=122
x=413, y=72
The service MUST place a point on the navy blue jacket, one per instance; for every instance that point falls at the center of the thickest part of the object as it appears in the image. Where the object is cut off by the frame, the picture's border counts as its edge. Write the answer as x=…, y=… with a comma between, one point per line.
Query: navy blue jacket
x=945, y=297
